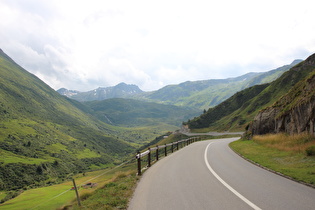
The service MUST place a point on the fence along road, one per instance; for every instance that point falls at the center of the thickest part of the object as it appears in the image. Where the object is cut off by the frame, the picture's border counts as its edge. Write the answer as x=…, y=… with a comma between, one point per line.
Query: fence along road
x=209, y=175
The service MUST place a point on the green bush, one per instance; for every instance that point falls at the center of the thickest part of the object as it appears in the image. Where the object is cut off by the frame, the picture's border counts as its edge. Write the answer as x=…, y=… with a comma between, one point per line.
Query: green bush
x=310, y=151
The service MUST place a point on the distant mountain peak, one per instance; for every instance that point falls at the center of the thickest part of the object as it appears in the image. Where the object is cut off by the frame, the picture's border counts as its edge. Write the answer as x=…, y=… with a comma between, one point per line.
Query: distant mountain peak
x=121, y=90
x=201, y=94
x=68, y=93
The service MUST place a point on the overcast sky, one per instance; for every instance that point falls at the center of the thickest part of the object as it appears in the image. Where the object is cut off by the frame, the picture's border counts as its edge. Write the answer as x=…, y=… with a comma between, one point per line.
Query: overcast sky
x=82, y=45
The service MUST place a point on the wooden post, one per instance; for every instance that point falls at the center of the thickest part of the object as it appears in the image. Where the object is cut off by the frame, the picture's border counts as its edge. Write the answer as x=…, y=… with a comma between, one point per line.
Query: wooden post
x=149, y=157
x=165, y=150
x=157, y=152
x=177, y=145
x=172, y=148
x=139, y=163
x=76, y=192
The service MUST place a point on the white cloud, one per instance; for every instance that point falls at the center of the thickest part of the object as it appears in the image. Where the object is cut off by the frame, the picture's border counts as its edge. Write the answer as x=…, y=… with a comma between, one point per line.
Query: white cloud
x=83, y=45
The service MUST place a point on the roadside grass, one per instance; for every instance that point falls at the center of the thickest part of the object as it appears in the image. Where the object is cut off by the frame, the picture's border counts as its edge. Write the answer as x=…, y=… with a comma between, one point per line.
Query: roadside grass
x=295, y=143
x=41, y=198
x=113, y=195
x=60, y=196
x=281, y=153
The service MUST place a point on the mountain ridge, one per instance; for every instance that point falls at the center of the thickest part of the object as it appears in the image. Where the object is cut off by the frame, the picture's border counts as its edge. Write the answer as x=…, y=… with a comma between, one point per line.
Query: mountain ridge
x=238, y=111
x=294, y=112
x=121, y=90
x=201, y=94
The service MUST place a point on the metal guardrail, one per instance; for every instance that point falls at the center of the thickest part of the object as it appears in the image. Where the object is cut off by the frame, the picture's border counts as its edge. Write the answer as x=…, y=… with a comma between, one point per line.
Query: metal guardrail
x=156, y=155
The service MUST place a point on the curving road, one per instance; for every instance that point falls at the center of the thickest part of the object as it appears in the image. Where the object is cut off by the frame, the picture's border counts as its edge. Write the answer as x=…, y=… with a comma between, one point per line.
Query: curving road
x=209, y=175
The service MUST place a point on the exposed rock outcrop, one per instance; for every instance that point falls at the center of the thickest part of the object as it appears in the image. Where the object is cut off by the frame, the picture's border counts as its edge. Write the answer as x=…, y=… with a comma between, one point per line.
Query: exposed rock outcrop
x=299, y=119
x=294, y=112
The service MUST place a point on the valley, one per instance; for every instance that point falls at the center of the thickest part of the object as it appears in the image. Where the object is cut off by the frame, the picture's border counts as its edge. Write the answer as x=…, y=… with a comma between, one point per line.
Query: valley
x=47, y=137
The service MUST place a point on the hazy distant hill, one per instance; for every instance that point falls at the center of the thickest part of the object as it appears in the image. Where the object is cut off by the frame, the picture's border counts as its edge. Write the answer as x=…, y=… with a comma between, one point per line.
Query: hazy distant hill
x=196, y=94
x=121, y=90
x=44, y=135
x=209, y=93
x=236, y=112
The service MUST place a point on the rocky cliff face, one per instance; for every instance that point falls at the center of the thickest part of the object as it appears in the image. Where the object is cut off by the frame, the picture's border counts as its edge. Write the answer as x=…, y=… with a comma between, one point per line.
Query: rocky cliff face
x=298, y=120
x=294, y=112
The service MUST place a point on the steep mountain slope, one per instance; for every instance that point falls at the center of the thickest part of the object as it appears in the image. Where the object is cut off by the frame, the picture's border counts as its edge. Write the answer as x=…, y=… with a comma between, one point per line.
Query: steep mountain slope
x=226, y=108
x=43, y=135
x=292, y=113
x=237, y=111
x=131, y=113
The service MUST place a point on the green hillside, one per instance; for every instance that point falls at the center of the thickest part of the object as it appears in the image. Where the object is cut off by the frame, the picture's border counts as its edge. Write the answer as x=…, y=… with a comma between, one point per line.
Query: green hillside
x=209, y=93
x=194, y=94
x=45, y=136
x=134, y=113
x=293, y=113
x=237, y=111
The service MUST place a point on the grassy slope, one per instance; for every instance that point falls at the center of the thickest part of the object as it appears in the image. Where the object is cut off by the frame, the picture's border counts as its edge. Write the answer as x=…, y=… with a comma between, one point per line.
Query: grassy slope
x=201, y=94
x=38, y=126
x=56, y=196
x=226, y=108
x=133, y=113
x=209, y=93
x=248, y=108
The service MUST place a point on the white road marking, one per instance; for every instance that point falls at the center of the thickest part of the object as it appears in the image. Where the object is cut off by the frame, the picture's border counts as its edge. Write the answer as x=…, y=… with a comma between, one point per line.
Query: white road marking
x=225, y=184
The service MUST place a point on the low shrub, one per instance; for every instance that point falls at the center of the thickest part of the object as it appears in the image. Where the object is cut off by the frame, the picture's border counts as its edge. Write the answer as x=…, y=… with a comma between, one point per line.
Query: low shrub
x=310, y=151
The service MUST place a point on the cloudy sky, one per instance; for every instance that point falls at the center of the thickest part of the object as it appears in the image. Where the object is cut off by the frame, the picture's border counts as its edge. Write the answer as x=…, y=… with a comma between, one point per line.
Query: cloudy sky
x=82, y=45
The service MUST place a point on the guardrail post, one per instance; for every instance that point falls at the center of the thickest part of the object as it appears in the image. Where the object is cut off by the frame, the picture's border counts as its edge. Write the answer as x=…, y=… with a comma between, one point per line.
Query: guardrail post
x=172, y=148
x=177, y=145
x=165, y=150
x=139, y=163
x=157, y=152
x=149, y=157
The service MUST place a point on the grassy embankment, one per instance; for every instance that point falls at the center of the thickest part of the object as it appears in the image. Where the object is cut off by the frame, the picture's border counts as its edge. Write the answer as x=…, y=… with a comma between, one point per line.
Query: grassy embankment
x=115, y=185
x=293, y=156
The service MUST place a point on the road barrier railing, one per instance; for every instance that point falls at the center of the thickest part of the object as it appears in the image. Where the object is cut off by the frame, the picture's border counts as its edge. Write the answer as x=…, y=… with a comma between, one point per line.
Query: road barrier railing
x=154, y=153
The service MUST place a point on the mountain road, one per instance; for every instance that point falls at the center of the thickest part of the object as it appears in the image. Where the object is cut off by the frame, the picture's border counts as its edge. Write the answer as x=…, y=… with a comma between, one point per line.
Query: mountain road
x=209, y=175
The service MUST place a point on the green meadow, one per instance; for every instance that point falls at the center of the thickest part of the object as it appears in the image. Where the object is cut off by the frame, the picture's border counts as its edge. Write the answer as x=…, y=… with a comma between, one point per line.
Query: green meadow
x=58, y=196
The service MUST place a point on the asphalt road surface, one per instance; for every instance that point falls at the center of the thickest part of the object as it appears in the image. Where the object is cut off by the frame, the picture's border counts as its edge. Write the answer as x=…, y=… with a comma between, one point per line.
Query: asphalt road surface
x=209, y=175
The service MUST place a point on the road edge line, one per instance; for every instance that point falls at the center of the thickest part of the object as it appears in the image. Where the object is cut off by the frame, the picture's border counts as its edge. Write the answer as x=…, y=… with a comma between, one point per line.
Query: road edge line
x=225, y=184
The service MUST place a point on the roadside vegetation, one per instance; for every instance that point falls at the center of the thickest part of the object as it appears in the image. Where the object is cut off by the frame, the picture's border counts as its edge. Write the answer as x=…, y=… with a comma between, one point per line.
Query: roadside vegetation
x=293, y=156
x=113, y=195
x=111, y=189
